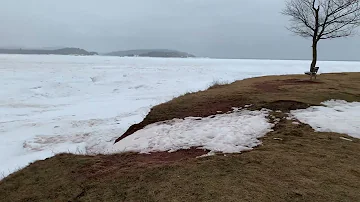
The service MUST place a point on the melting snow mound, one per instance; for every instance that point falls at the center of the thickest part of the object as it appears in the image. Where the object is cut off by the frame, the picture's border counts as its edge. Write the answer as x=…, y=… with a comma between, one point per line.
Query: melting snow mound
x=228, y=133
x=336, y=116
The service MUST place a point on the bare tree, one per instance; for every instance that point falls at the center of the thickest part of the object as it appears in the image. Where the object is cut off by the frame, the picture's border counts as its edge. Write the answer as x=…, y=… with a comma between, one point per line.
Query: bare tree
x=322, y=19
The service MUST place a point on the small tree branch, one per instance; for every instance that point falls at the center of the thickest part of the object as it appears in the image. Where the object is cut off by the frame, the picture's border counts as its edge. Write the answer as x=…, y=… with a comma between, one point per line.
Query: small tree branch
x=323, y=19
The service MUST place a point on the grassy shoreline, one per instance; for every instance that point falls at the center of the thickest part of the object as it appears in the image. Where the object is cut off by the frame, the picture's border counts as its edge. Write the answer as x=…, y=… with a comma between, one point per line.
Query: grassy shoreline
x=284, y=93
x=294, y=163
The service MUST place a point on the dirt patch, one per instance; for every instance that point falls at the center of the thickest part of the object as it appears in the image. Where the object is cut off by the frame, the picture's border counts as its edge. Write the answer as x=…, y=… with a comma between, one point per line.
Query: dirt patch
x=268, y=86
x=108, y=163
x=273, y=86
x=132, y=129
x=286, y=105
x=302, y=81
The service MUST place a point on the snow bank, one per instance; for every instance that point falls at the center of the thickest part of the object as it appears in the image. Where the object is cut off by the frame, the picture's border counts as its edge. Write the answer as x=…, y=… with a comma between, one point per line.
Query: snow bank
x=336, y=116
x=228, y=133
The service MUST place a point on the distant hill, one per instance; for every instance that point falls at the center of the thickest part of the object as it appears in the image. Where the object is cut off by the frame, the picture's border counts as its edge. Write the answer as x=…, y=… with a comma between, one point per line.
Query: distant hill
x=51, y=48
x=151, y=53
x=62, y=51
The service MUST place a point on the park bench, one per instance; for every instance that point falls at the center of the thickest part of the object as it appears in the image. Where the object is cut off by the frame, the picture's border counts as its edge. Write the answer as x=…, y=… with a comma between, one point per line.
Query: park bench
x=313, y=72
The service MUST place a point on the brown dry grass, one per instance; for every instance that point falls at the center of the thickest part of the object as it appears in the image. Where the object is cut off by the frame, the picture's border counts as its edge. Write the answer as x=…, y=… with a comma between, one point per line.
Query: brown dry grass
x=298, y=165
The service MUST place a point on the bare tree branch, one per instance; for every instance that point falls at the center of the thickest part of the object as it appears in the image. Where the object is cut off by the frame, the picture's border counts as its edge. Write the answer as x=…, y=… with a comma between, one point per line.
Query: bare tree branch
x=336, y=18
x=322, y=19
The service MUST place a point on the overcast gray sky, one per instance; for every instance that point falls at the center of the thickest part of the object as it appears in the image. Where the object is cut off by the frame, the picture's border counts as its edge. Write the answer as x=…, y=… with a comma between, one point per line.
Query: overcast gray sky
x=213, y=28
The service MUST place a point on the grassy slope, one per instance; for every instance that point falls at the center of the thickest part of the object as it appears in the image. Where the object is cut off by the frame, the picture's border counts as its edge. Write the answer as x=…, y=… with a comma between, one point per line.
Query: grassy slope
x=302, y=166
x=272, y=92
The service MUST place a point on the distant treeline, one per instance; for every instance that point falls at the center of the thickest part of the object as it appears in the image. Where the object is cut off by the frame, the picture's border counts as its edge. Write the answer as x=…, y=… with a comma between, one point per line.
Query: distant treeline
x=62, y=51
x=151, y=53
x=78, y=51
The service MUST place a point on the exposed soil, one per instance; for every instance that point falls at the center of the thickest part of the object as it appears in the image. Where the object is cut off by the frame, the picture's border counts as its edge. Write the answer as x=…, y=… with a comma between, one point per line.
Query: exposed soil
x=286, y=105
x=273, y=86
x=108, y=163
x=132, y=129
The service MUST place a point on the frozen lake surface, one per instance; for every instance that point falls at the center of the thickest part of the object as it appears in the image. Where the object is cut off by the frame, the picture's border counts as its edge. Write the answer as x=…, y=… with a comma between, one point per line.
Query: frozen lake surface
x=52, y=104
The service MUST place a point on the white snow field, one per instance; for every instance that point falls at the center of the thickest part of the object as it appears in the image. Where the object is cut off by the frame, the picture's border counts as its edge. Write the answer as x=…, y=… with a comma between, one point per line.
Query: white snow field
x=336, y=116
x=51, y=104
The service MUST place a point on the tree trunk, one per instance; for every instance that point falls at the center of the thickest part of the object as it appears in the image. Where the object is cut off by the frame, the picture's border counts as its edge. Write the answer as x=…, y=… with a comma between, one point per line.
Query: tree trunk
x=315, y=36
x=314, y=54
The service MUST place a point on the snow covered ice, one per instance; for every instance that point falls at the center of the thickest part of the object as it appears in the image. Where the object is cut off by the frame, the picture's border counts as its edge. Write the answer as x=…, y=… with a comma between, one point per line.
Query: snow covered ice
x=229, y=133
x=51, y=104
x=336, y=116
